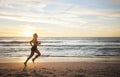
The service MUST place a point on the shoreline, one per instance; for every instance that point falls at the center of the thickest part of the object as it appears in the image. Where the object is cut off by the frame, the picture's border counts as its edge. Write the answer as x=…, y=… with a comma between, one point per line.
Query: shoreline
x=63, y=59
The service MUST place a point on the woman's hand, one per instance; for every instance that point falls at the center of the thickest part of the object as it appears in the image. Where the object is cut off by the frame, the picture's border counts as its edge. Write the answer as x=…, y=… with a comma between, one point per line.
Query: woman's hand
x=39, y=43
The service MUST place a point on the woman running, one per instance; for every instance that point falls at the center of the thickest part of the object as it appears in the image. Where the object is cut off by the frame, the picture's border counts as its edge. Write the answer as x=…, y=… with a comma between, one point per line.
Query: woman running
x=34, y=43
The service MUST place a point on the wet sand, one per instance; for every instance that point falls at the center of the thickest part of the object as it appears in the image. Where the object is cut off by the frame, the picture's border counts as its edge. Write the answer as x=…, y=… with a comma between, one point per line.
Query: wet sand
x=60, y=69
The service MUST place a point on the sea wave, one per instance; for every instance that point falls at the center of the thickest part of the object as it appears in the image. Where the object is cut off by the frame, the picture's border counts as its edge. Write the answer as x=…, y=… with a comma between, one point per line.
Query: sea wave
x=61, y=47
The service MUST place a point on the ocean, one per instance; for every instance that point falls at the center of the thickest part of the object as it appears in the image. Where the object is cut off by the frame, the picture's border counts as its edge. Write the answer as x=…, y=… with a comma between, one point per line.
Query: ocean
x=93, y=47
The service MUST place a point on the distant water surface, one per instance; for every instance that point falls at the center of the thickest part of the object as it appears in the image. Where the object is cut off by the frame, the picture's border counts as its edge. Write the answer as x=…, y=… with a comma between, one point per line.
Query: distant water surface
x=61, y=47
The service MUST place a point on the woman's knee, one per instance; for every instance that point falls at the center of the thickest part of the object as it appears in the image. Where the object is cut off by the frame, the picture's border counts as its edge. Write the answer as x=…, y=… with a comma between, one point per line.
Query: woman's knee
x=39, y=54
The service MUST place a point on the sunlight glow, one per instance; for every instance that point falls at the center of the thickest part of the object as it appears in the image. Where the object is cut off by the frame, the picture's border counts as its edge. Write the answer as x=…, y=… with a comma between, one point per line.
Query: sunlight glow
x=28, y=33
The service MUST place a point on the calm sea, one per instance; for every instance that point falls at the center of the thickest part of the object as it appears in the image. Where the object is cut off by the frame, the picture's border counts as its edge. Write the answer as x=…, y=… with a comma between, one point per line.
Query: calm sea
x=61, y=47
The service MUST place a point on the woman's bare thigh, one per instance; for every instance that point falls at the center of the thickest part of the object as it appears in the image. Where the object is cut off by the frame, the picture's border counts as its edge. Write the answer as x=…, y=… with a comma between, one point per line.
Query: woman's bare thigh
x=38, y=52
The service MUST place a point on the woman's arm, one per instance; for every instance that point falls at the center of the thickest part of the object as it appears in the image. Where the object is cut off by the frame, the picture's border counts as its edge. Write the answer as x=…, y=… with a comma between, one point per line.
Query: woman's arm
x=31, y=42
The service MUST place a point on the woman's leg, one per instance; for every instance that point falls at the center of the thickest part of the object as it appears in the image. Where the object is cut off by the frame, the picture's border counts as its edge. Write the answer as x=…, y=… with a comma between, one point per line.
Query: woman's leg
x=31, y=54
x=38, y=54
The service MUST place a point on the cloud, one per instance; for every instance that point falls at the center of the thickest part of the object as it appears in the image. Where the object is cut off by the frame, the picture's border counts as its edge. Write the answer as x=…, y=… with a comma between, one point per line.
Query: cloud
x=98, y=12
x=32, y=12
x=19, y=6
x=61, y=14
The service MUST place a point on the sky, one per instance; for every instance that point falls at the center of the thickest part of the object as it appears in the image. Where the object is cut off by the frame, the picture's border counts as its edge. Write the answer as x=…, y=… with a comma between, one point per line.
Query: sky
x=60, y=18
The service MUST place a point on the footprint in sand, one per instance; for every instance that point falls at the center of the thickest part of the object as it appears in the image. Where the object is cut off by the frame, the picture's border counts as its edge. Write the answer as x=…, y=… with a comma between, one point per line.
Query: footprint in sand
x=75, y=74
x=36, y=74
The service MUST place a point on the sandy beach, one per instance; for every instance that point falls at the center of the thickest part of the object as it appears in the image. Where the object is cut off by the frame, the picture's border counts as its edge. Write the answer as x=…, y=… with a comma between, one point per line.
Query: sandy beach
x=60, y=69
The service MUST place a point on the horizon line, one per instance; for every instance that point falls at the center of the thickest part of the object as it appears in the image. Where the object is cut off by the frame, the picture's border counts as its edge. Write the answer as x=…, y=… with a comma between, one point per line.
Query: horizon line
x=65, y=36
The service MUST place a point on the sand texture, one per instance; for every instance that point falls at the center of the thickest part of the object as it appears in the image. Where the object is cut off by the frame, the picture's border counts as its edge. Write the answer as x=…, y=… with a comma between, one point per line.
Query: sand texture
x=60, y=69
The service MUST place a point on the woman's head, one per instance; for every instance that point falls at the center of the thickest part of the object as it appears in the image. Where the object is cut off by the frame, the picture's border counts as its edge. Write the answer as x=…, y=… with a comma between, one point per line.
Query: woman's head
x=35, y=35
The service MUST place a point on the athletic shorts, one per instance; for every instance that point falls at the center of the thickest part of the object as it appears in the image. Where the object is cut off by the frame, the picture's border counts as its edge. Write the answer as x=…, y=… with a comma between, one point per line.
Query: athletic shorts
x=34, y=48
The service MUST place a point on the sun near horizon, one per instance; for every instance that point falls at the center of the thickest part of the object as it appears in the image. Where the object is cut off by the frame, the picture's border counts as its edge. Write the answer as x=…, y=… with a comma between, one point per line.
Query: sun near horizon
x=27, y=33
